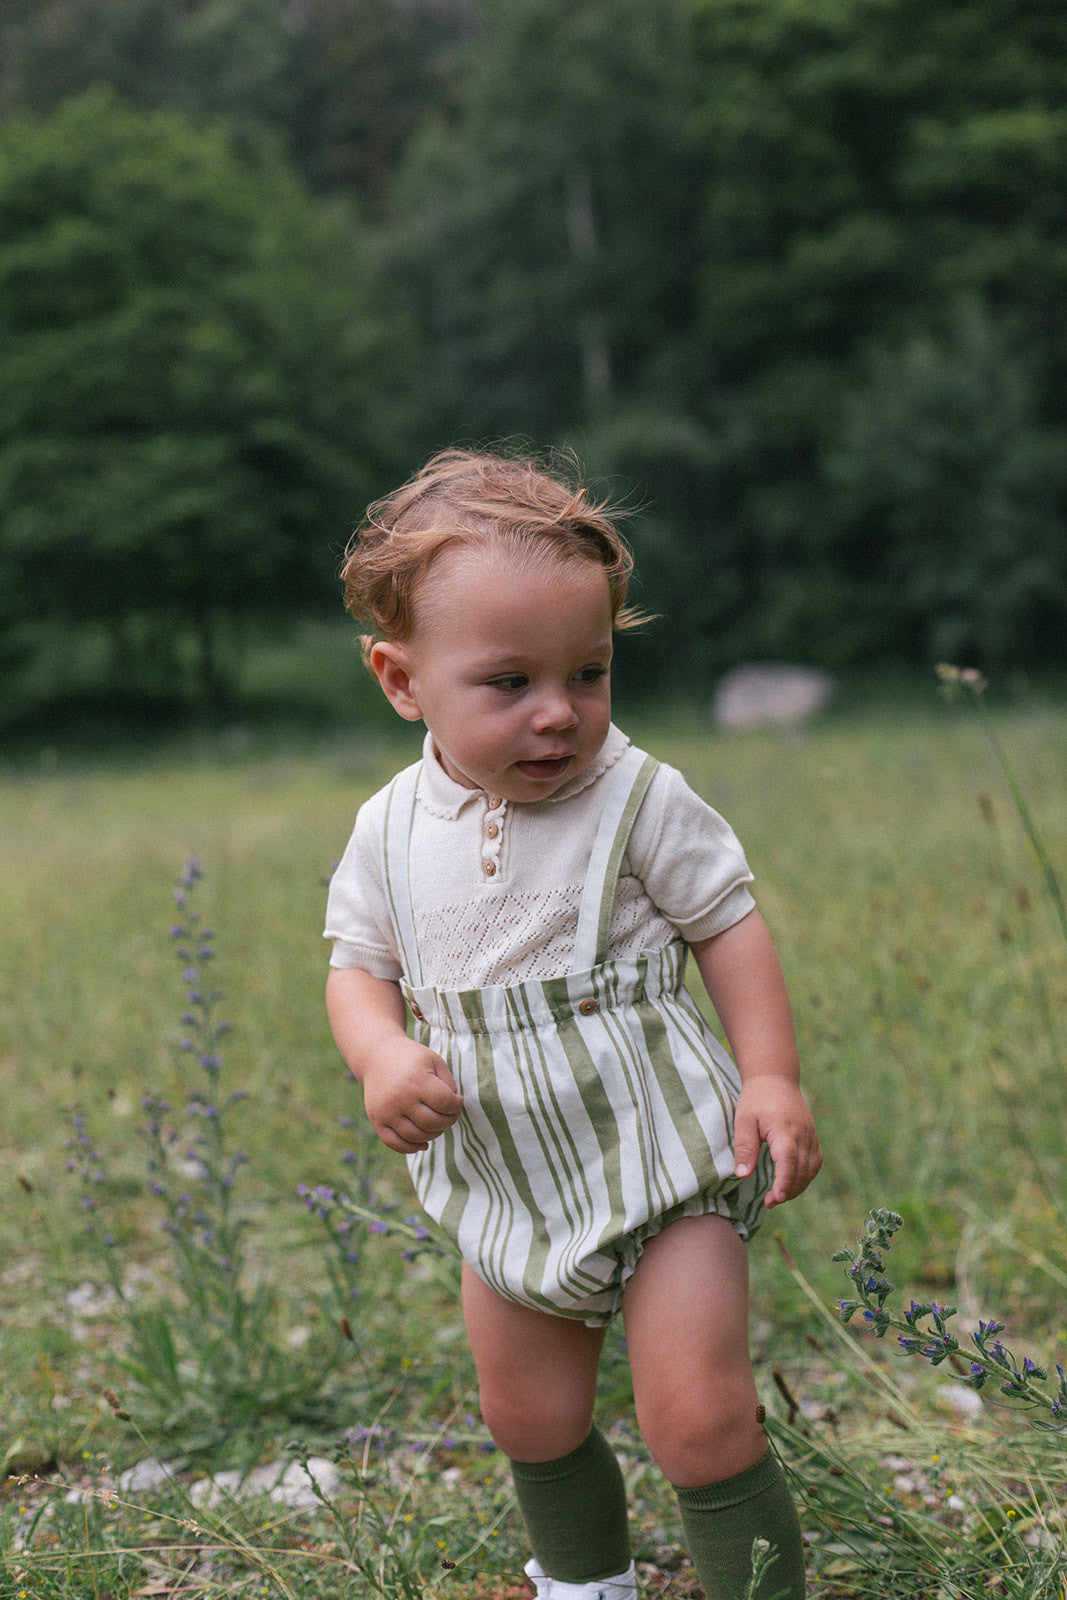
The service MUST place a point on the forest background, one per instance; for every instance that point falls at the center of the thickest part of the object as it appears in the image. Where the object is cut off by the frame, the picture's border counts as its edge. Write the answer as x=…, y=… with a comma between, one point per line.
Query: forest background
x=788, y=276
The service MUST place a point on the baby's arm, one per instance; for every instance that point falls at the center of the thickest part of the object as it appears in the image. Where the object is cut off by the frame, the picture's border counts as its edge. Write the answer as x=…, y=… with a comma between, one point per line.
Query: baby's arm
x=409, y=1093
x=743, y=977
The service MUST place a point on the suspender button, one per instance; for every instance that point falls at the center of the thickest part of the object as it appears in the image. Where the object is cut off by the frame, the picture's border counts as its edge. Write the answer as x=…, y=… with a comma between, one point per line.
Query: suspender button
x=587, y=1007
x=415, y=1012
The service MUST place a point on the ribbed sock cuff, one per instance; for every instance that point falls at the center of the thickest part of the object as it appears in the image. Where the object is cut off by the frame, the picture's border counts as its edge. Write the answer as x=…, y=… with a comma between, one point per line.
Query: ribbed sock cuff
x=733, y=1491
x=590, y=1452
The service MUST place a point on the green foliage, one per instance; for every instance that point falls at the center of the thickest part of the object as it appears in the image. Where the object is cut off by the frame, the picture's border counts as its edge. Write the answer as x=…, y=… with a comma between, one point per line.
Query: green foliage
x=341, y=83
x=368, y=74
x=208, y=57
x=743, y=254
x=941, y=449
x=786, y=273
x=204, y=1363
x=191, y=347
x=532, y=226
x=882, y=178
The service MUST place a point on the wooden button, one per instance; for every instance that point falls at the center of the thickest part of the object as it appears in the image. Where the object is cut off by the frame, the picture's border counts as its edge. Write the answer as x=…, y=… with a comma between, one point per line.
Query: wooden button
x=415, y=1012
x=489, y=868
x=494, y=802
x=587, y=1007
x=491, y=831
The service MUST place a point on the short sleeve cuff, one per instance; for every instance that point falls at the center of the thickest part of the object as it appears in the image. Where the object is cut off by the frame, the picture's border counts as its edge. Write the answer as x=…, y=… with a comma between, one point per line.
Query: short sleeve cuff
x=732, y=908
x=379, y=963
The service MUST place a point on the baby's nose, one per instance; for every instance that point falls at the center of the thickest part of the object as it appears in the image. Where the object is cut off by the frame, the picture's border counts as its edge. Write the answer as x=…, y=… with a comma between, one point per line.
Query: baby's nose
x=555, y=710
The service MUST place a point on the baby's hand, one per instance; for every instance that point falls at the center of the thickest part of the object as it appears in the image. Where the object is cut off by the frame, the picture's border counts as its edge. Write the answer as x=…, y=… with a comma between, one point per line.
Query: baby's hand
x=773, y=1111
x=410, y=1097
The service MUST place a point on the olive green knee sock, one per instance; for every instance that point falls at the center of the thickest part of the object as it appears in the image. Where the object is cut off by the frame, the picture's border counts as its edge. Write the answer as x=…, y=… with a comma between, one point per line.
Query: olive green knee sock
x=721, y=1521
x=575, y=1512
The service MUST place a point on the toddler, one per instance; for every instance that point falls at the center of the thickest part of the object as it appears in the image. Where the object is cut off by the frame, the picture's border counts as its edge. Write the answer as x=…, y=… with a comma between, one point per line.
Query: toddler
x=528, y=893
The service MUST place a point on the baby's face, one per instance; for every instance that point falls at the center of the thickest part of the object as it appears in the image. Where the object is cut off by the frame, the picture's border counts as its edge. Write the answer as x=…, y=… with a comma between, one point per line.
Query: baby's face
x=509, y=667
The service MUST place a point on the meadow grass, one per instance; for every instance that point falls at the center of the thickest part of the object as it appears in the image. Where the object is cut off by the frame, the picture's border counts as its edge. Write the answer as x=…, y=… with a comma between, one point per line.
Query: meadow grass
x=928, y=979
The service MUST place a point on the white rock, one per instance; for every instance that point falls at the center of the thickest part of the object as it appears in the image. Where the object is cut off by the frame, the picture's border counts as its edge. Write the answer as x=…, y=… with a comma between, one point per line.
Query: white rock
x=290, y=1485
x=91, y=1299
x=295, y=1488
x=771, y=694
x=234, y=1485
x=211, y=1492
x=962, y=1398
x=147, y=1474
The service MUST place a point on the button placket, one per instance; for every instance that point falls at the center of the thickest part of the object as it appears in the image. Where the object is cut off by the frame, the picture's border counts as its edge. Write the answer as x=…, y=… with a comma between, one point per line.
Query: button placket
x=492, y=835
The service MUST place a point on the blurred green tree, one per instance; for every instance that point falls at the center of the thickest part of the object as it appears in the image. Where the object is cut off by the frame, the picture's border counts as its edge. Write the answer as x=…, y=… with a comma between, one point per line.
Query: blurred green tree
x=366, y=75
x=206, y=57
x=949, y=490
x=189, y=400
x=545, y=239
x=874, y=167
x=544, y=236
x=673, y=235
x=699, y=240
x=343, y=84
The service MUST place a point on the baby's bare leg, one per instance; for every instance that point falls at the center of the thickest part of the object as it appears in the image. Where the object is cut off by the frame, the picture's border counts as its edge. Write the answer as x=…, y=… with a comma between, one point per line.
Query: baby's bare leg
x=536, y=1373
x=686, y=1315
x=686, y=1310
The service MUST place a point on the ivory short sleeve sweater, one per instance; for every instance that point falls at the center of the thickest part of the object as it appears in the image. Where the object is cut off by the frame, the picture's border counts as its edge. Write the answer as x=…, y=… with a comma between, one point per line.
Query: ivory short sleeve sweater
x=496, y=885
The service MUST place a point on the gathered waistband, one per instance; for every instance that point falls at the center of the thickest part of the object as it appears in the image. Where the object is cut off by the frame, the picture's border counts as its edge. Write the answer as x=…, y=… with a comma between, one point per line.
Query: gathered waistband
x=546, y=1002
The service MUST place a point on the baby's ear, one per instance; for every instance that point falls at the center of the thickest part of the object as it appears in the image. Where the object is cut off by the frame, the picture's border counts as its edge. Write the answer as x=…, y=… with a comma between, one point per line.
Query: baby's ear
x=391, y=666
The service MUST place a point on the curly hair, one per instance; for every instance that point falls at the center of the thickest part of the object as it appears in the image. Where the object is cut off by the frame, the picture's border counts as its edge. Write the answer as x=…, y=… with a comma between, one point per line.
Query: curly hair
x=480, y=500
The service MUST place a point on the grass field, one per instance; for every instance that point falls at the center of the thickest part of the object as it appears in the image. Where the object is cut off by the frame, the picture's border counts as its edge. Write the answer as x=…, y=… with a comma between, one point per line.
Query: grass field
x=929, y=982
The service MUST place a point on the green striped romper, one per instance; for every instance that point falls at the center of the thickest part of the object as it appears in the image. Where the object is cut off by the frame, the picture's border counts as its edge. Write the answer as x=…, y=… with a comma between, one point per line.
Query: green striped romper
x=598, y=1106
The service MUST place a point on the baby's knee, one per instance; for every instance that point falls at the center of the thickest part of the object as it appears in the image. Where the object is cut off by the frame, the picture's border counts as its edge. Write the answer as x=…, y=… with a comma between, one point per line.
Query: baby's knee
x=534, y=1427
x=693, y=1444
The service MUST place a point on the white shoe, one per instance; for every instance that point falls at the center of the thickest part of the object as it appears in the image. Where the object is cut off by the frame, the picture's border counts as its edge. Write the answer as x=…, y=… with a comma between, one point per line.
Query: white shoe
x=621, y=1587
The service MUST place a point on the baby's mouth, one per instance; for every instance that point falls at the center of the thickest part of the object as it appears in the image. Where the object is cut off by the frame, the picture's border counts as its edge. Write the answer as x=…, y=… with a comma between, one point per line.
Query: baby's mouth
x=545, y=768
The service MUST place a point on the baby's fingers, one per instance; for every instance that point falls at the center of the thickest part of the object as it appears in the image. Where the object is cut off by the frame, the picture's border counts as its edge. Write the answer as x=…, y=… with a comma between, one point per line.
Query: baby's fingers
x=440, y=1089
x=439, y=1104
x=796, y=1162
x=414, y=1131
x=405, y=1138
x=747, y=1141
x=786, y=1164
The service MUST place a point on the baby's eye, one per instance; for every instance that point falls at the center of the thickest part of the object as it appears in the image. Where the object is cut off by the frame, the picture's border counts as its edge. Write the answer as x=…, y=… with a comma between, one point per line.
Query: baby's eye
x=509, y=682
x=591, y=674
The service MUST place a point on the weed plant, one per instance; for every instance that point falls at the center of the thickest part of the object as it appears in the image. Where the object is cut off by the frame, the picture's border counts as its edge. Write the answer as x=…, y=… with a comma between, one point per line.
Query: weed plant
x=205, y=1360
x=923, y=1330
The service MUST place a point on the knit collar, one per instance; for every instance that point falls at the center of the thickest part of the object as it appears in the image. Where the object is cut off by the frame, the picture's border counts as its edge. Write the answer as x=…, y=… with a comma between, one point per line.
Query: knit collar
x=445, y=798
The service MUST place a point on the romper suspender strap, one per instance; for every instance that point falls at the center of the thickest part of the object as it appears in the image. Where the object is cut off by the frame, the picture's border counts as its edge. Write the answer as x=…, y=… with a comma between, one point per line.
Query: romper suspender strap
x=629, y=785
x=399, y=811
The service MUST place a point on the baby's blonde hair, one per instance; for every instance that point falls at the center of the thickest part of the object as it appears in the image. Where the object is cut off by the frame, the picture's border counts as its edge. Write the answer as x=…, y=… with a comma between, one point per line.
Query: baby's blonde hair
x=477, y=499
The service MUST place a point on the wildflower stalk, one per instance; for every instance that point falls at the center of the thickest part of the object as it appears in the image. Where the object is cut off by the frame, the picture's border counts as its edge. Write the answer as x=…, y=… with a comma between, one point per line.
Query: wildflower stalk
x=208, y=1354
x=923, y=1330
x=953, y=681
x=84, y=1160
x=340, y=1212
x=206, y=1233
